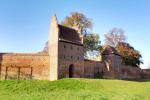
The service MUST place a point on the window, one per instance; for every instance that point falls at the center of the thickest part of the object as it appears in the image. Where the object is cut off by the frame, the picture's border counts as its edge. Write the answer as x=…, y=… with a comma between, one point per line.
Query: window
x=64, y=56
x=71, y=57
x=64, y=46
x=71, y=47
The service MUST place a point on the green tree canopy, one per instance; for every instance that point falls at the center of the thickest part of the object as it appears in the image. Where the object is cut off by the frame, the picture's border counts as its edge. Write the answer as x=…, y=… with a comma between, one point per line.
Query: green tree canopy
x=91, y=45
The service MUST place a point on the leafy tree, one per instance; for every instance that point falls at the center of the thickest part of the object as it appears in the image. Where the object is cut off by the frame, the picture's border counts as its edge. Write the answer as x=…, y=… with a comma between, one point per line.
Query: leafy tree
x=114, y=36
x=91, y=45
x=80, y=19
x=130, y=56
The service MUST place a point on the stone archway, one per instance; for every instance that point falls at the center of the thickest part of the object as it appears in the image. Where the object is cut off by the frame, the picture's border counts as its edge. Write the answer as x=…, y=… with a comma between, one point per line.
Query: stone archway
x=71, y=71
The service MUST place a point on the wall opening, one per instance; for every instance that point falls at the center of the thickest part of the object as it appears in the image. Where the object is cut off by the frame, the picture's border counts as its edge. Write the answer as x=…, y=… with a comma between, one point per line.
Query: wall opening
x=71, y=71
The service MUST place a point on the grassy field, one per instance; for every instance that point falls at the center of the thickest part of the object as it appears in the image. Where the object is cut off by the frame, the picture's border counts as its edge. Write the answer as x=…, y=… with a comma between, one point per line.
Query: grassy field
x=74, y=89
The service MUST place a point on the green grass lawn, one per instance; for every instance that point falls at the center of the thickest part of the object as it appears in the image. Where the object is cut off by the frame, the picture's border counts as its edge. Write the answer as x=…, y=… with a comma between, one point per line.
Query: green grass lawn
x=74, y=89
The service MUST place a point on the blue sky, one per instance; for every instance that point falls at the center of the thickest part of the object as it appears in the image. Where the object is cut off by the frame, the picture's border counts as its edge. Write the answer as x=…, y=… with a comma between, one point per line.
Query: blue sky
x=24, y=24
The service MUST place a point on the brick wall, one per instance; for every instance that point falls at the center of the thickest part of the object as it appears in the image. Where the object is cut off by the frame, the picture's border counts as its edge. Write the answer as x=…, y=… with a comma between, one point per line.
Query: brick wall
x=70, y=54
x=146, y=73
x=93, y=69
x=24, y=66
x=130, y=72
x=36, y=66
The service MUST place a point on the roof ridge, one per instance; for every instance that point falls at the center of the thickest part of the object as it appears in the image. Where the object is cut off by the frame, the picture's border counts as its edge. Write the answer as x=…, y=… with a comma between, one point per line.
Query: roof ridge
x=67, y=27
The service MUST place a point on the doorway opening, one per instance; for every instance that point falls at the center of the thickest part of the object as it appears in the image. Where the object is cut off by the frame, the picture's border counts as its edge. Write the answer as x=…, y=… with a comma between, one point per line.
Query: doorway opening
x=71, y=71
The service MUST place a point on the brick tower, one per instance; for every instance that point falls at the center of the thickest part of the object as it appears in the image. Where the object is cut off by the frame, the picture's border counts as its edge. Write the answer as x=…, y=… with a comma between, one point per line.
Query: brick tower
x=113, y=62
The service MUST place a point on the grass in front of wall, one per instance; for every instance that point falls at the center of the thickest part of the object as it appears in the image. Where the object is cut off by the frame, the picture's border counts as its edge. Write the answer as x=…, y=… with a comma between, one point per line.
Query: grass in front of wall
x=74, y=89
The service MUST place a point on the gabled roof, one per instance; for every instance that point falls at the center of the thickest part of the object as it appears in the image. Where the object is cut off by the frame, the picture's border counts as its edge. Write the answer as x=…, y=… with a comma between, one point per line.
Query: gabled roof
x=69, y=34
x=109, y=50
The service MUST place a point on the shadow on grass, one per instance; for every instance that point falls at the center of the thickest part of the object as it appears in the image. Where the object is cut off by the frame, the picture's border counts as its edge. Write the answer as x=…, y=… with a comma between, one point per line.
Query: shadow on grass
x=137, y=80
x=125, y=79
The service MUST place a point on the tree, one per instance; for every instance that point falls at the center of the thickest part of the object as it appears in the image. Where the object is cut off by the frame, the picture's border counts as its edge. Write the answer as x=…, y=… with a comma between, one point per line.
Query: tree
x=114, y=36
x=80, y=19
x=130, y=56
x=91, y=45
x=91, y=41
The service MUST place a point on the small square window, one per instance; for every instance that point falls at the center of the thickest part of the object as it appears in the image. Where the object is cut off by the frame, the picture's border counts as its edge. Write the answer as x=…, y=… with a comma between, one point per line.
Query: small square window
x=64, y=46
x=71, y=57
x=71, y=47
x=64, y=56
